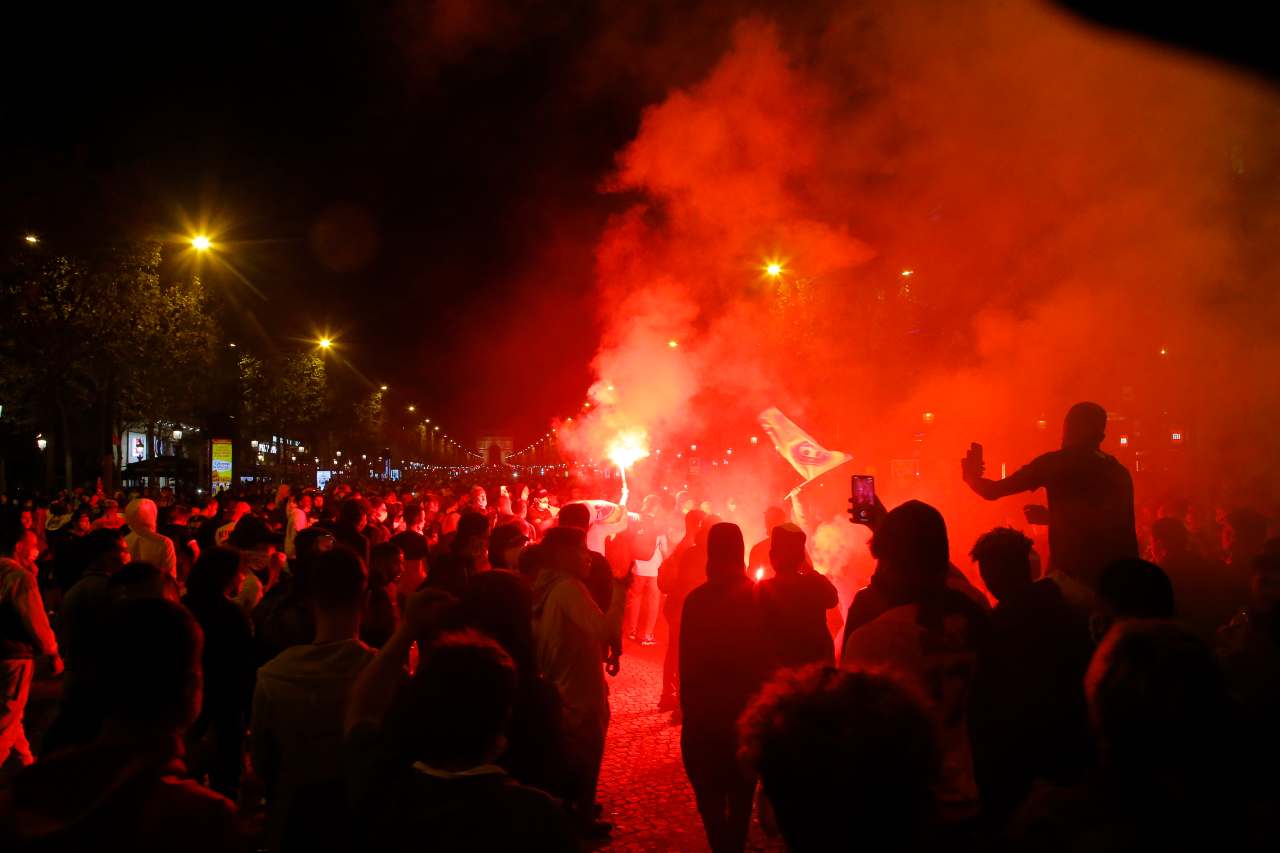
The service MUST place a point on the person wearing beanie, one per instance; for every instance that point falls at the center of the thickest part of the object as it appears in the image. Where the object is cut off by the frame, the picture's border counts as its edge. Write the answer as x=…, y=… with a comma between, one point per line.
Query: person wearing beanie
x=723, y=662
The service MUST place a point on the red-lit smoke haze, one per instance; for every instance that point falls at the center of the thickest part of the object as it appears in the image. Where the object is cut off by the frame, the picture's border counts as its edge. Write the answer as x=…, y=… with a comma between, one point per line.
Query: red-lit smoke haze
x=1069, y=203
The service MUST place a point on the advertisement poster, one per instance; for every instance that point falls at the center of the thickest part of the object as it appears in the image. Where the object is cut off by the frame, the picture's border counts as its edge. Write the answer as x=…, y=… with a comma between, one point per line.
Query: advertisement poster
x=221, y=466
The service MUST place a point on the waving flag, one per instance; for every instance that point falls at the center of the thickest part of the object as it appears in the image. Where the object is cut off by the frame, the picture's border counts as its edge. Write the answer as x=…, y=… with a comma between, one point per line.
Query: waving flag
x=798, y=447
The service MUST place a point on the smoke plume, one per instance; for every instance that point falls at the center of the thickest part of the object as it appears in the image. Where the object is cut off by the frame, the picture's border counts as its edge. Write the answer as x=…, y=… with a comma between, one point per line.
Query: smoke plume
x=983, y=212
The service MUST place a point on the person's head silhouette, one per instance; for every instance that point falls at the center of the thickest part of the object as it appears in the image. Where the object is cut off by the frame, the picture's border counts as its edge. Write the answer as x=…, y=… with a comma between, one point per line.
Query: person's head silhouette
x=1085, y=426
x=911, y=550
x=1005, y=561
x=725, y=552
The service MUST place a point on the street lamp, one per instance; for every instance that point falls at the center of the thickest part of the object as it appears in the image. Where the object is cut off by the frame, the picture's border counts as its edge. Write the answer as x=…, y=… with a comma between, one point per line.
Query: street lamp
x=413, y=408
x=42, y=442
x=201, y=243
x=31, y=239
x=383, y=388
x=325, y=343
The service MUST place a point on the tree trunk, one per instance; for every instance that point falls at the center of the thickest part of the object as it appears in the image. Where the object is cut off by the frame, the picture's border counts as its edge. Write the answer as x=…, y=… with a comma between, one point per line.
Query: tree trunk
x=64, y=441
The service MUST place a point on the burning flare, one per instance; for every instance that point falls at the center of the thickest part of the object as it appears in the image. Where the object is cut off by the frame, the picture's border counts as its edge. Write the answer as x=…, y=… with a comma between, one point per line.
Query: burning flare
x=627, y=447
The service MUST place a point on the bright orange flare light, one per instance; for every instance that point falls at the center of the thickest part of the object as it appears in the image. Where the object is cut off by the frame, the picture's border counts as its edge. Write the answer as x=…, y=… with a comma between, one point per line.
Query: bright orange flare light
x=325, y=343
x=773, y=269
x=627, y=447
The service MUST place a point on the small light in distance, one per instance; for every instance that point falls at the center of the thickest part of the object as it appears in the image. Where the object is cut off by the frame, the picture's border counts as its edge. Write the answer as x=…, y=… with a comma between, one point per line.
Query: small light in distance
x=1164, y=350
x=928, y=417
x=382, y=388
x=1124, y=441
x=201, y=243
x=413, y=408
x=325, y=343
x=673, y=343
x=755, y=440
x=31, y=239
x=908, y=273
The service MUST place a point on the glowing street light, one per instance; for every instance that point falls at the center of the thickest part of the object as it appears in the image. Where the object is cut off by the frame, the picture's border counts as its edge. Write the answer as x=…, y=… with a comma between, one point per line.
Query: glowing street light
x=673, y=343
x=201, y=243
x=42, y=442
x=325, y=343
x=413, y=408
x=773, y=269
x=31, y=239
x=383, y=388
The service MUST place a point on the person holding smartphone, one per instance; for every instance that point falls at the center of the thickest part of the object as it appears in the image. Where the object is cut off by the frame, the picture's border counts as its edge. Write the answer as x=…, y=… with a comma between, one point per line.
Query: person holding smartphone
x=1090, y=514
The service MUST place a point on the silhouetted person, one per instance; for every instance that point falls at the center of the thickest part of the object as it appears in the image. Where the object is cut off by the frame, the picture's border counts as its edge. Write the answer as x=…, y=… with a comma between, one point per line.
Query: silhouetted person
x=1249, y=649
x=127, y=790
x=848, y=760
x=1027, y=717
x=774, y=516
x=677, y=576
x=930, y=632
x=444, y=791
x=450, y=571
x=1243, y=535
x=571, y=635
x=298, y=708
x=1091, y=519
x=1167, y=735
x=499, y=604
x=600, y=577
x=723, y=662
x=217, y=737
x=794, y=603
x=1130, y=589
x=1205, y=594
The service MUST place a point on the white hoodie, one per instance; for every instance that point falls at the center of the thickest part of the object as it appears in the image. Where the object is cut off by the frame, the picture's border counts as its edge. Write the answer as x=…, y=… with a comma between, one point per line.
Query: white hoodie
x=144, y=542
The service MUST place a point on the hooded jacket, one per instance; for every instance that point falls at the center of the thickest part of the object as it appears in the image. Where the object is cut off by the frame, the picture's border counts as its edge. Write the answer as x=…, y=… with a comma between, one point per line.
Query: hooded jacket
x=145, y=544
x=298, y=706
x=571, y=634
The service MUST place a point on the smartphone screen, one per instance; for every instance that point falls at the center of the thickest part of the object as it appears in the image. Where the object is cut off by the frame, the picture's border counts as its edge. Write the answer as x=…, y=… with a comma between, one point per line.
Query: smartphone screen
x=863, y=501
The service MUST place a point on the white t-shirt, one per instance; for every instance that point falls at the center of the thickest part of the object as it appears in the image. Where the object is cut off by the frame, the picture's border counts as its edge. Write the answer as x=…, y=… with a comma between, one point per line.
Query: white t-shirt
x=649, y=568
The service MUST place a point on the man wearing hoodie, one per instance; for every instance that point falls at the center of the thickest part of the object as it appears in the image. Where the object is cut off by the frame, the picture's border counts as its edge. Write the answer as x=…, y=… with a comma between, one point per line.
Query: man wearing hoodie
x=572, y=634
x=724, y=660
x=145, y=544
x=298, y=709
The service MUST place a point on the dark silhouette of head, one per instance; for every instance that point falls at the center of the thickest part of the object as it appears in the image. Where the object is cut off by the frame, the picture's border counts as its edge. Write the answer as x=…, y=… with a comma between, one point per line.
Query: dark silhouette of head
x=565, y=550
x=786, y=549
x=1131, y=589
x=151, y=662
x=1157, y=700
x=336, y=581
x=1085, y=425
x=726, y=552
x=140, y=579
x=577, y=516
x=459, y=702
x=841, y=755
x=213, y=574
x=386, y=564
x=911, y=550
x=774, y=516
x=472, y=535
x=693, y=523
x=499, y=605
x=1003, y=556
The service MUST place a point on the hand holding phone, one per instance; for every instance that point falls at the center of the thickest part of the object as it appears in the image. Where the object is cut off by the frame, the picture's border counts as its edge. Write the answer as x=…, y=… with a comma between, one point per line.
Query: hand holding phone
x=972, y=466
x=862, y=502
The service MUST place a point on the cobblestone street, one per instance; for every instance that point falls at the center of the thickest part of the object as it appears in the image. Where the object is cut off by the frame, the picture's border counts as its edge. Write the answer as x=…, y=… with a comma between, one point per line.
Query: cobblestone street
x=643, y=785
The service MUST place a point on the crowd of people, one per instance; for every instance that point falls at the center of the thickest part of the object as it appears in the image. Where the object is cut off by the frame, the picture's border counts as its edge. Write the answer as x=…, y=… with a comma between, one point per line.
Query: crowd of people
x=402, y=667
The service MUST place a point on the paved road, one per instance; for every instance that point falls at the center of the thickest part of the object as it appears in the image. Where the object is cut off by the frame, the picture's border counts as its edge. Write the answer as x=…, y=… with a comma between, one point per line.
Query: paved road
x=642, y=785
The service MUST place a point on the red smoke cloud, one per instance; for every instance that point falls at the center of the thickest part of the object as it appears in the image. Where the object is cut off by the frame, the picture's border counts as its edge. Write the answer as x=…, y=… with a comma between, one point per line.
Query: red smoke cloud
x=1068, y=203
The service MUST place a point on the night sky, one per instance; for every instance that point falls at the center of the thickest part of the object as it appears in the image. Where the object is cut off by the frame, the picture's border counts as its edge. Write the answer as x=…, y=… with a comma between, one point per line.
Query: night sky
x=423, y=180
